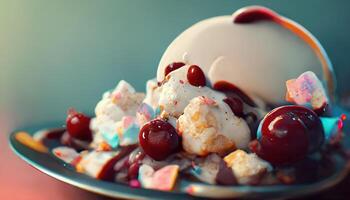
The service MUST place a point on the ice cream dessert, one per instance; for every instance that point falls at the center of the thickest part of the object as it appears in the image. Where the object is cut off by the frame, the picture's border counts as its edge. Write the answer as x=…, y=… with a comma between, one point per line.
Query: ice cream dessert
x=255, y=43
x=238, y=100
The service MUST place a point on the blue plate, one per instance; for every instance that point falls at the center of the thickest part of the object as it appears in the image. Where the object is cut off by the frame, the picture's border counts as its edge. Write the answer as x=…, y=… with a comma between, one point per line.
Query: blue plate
x=51, y=166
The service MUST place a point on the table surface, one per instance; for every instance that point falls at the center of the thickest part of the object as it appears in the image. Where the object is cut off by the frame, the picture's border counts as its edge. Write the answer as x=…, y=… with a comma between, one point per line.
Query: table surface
x=21, y=181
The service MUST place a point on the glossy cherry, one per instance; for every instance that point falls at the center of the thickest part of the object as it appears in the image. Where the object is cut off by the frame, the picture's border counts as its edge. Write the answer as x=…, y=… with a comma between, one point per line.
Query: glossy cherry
x=195, y=76
x=159, y=139
x=78, y=125
x=287, y=134
x=173, y=66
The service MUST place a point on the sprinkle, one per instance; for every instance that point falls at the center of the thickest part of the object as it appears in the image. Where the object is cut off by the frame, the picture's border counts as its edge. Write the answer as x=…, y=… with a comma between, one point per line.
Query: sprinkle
x=332, y=126
x=27, y=140
x=130, y=135
x=127, y=121
x=158, y=111
x=134, y=183
x=58, y=154
x=343, y=117
x=306, y=90
x=197, y=170
x=147, y=111
x=76, y=160
x=66, y=154
x=104, y=146
x=162, y=179
x=111, y=139
x=190, y=189
x=116, y=97
x=207, y=101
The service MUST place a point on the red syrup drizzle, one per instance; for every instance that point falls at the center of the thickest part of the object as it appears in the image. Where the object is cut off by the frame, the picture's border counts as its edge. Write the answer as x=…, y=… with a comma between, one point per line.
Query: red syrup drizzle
x=255, y=14
x=169, y=68
x=231, y=90
x=52, y=137
x=108, y=173
x=236, y=106
x=173, y=66
x=55, y=133
x=324, y=110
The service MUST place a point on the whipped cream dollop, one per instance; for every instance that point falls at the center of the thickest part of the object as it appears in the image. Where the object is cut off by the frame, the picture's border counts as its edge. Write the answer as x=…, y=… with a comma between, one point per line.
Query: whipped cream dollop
x=209, y=126
x=201, y=115
x=110, y=110
x=176, y=93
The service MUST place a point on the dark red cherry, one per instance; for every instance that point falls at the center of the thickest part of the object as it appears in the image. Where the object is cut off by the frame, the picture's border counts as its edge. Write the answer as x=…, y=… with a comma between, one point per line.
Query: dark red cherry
x=173, y=66
x=78, y=125
x=287, y=134
x=195, y=76
x=158, y=139
x=236, y=105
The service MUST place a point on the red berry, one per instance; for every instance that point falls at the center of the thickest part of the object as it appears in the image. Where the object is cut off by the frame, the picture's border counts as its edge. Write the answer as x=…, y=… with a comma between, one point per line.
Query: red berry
x=288, y=134
x=78, y=125
x=195, y=76
x=173, y=66
x=158, y=139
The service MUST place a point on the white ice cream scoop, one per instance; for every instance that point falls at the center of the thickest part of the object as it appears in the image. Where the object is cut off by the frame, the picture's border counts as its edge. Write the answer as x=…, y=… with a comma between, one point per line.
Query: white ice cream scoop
x=255, y=49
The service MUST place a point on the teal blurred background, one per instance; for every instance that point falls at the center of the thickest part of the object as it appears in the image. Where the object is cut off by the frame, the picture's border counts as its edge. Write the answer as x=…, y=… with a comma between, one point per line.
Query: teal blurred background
x=60, y=54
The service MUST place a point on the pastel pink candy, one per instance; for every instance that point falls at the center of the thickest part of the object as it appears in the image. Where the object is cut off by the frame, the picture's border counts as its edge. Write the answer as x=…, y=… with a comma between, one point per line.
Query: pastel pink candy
x=116, y=96
x=65, y=154
x=128, y=121
x=162, y=179
x=307, y=89
x=208, y=101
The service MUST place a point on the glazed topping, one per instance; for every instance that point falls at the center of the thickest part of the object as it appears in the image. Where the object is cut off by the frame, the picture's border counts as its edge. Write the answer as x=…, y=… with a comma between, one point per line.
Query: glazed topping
x=78, y=125
x=173, y=66
x=195, y=76
x=159, y=139
x=287, y=134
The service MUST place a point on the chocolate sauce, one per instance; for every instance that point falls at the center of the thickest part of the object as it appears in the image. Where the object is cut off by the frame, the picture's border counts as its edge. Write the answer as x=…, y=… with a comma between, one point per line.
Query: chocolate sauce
x=255, y=14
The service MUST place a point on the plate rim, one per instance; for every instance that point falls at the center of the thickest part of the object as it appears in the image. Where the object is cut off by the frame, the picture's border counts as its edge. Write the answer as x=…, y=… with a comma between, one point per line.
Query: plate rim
x=243, y=191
